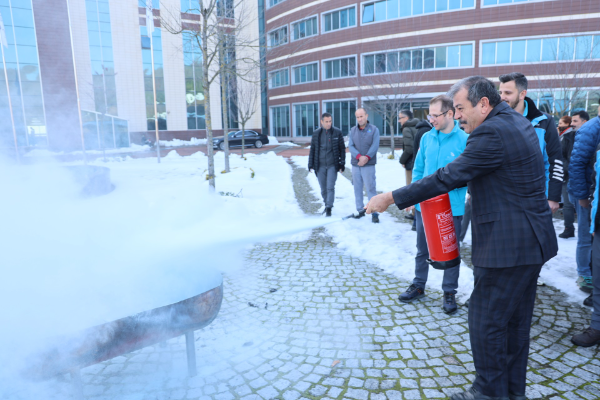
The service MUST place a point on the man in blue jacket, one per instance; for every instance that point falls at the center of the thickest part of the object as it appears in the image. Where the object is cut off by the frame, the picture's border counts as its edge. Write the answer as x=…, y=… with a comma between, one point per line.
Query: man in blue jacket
x=579, y=192
x=513, y=233
x=587, y=140
x=363, y=142
x=440, y=146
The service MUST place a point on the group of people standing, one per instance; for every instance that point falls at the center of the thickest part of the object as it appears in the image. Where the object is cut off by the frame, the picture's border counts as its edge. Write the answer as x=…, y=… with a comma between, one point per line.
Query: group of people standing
x=495, y=144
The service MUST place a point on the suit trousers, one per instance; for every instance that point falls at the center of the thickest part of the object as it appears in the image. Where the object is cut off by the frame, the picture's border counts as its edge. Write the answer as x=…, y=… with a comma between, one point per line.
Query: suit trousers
x=327, y=175
x=450, y=280
x=500, y=314
x=363, y=176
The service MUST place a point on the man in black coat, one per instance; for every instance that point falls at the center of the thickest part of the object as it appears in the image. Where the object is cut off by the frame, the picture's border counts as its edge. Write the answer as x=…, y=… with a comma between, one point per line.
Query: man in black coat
x=513, y=234
x=327, y=157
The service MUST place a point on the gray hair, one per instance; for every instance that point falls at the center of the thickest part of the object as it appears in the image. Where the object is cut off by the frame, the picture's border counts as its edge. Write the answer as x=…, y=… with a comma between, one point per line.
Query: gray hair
x=477, y=87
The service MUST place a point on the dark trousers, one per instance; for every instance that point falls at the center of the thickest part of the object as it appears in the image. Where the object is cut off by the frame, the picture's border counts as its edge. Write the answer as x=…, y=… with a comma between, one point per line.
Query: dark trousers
x=500, y=313
x=327, y=175
x=450, y=280
x=568, y=208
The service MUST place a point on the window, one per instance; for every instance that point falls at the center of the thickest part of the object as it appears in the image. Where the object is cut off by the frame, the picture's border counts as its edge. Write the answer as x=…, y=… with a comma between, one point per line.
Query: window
x=194, y=91
x=306, y=73
x=549, y=49
x=101, y=54
x=457, y=56
x=339, y=19
x=505, y=2
x=25, y=87
x=158, y=77
x=385, y=10
x=342, y=113
x=275, y=2
x=279, y=78
x=305, y=28
x=280, y=121
x=278, y=37
x=190, y=6
x=225, y=8
x=306, y=119
x=341, y=68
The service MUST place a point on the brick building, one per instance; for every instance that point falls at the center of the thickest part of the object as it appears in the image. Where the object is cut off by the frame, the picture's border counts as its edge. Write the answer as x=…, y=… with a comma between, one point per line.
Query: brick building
x=336, y=55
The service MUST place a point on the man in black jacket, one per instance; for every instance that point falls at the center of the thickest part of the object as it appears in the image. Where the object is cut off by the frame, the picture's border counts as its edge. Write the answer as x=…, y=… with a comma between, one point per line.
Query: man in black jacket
x=327, y=157
x=513, y=234
x=409, y=131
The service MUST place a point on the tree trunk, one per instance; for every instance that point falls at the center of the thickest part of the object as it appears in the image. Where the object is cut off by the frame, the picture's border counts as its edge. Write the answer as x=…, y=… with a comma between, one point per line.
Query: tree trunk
x=207, y=113
x=392, y=131
x=392, y=144
x=243, y=137
x=224, y=103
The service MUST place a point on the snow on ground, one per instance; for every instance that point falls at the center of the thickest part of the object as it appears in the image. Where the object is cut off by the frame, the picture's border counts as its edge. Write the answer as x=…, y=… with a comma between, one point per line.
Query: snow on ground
x=178, y=143
x=389, y=244
x=158, y=238
x=392, y=245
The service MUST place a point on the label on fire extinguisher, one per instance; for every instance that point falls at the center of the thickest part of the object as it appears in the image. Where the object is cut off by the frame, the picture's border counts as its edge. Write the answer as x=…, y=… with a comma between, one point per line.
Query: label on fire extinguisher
x=447, y=233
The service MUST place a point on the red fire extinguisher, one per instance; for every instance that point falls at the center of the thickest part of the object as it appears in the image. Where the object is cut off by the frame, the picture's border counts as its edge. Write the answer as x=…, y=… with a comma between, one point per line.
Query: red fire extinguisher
x=439, y=230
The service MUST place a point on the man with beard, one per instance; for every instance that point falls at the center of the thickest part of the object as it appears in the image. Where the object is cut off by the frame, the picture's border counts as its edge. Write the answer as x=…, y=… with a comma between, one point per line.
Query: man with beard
x=513, y=234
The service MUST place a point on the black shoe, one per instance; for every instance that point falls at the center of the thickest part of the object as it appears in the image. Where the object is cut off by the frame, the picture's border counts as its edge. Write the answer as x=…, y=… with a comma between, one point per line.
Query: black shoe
x=589, y=302
x=412, y=293
x=360, y=214
x=449, y=303
x=467, y=302
x=567, y=233
x=587, y=338
x=375, y=219
x=517, y=396
x=409, y=216
x=473, y=394
x=328, y=211
x=414, y=228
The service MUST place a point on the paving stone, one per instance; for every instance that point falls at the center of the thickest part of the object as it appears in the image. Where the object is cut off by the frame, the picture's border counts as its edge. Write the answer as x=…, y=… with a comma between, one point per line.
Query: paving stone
x=335, y=329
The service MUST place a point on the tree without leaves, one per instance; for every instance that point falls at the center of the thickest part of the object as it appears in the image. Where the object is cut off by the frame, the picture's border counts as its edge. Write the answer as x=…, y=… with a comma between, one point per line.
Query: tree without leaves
x=210, y=35
x=248, y=94
x=565, y=82
x=388, y=92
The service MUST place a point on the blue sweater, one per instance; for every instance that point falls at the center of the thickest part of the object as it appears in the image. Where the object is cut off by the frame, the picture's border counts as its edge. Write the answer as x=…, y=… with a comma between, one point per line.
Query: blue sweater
x=436, y=151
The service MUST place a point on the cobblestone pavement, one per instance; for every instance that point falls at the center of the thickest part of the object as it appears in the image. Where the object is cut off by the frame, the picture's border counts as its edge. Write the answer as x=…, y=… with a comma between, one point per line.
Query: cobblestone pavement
x=305, y=321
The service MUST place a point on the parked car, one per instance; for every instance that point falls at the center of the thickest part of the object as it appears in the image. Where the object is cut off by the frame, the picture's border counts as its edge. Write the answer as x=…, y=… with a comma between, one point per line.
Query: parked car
x=252, y=138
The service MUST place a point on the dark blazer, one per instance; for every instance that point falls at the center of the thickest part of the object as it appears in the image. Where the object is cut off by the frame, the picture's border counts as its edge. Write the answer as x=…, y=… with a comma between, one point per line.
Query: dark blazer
x=504, y=169
x=339, y=149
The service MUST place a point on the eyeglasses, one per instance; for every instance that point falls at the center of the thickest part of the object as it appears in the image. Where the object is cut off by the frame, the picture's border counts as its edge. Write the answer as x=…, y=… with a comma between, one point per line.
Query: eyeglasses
x=434, y=116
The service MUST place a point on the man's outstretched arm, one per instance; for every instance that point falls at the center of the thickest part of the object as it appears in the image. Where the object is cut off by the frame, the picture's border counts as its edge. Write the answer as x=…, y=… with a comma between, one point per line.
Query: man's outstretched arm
x=483, y=154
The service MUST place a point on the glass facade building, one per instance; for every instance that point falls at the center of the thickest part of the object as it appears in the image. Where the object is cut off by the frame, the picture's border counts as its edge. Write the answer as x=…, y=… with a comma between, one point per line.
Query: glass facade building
x=194, y=92
x=24, y=79
x=101, y=53
x=157, y=75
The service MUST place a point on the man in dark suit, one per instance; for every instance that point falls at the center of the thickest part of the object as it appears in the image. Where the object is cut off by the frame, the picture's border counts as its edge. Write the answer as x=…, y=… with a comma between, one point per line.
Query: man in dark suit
x=513, y=235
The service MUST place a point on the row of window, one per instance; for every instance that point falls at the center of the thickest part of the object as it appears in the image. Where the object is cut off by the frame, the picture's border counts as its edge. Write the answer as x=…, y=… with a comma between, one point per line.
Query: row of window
x=552, y=49
x=376, y=11
x=305, y=116
x=455, y=56
x=24, y=81
x=418, y=7
x=385, y=10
